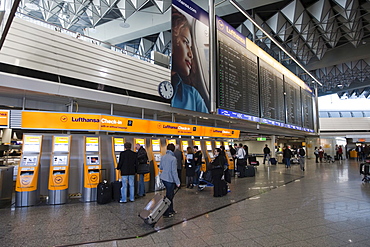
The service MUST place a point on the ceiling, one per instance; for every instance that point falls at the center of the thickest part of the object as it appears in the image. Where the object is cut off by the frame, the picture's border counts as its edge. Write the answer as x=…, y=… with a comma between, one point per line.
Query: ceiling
x=330, y=38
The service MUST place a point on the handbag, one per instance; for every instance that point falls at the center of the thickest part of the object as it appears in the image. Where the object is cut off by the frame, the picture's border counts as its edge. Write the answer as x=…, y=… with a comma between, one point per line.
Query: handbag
x=142, y=168
x=227, y=176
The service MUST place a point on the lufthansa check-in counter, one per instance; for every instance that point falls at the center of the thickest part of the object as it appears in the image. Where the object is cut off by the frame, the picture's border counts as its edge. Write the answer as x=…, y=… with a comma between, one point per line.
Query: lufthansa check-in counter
x=59, y=170
x=209, y=154
x=229, y=158
x=27, y=182
x=117, y=148
x=156, y=154
x=204, y=163
x=92, y=168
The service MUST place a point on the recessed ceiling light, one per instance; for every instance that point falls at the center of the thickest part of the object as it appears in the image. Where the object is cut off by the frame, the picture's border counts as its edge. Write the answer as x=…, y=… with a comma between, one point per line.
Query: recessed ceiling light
x=124, y=25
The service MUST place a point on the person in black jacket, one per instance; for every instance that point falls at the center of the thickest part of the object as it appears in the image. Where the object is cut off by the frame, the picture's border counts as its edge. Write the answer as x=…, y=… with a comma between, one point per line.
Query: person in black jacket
x=287, y=154
x=142, y=158
x=217, y=168
x=127, y=164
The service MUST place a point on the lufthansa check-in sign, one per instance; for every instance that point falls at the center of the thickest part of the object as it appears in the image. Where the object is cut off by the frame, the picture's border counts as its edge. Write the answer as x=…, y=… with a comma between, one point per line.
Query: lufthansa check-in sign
x=98, y=122
x=4, y=119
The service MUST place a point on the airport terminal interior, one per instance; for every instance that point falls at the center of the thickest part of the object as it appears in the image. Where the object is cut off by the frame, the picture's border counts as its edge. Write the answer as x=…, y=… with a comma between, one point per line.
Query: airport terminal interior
x=79, y=79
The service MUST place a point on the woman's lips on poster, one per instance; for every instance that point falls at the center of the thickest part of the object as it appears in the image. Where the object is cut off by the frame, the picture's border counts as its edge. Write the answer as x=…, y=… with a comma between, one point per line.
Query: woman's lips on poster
x=188, y=64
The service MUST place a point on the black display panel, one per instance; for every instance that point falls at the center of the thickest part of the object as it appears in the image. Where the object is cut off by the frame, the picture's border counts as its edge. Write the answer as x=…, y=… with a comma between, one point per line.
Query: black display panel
x=307, y=104
x=293, y=103
x=271, y=93
x=237, y=78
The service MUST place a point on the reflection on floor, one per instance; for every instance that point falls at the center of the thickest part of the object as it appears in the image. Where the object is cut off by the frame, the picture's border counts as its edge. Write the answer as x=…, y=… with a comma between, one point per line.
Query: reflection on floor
x=327, y=205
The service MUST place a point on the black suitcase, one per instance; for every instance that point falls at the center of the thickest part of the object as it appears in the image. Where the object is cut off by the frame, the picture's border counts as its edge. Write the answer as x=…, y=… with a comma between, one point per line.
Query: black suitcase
x=364, y=169
x=250, y=171
x=116, y=190
x=273, y=161
x=252, y=160
x=104, y=193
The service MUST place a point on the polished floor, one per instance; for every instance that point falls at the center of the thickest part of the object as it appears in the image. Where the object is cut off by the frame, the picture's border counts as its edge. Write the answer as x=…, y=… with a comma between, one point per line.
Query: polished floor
x=326, y=205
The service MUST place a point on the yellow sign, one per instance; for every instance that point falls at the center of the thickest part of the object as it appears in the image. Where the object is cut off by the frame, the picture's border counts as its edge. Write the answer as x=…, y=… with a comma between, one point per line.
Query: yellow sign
x=218, y=144
x=209, y=145
x=4, y=119
x=185, y=145
x=97, y=122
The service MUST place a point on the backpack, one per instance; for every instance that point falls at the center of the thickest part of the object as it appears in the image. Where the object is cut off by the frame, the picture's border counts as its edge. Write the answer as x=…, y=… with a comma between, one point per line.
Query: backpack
x=302, y=152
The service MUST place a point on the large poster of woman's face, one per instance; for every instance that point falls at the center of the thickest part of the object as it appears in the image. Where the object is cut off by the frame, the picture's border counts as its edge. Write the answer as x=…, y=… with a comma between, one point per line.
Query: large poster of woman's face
x=190, y=57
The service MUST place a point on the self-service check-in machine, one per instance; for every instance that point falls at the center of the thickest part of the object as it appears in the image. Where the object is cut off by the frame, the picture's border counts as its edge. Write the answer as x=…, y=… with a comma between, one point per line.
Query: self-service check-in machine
x=156, y=158
x=209, y=153
x=92, y=167
x=27, y=186
x=229, y=158
x=204, y=164
x=118, y=146
x=59, y=170
x=142, y=143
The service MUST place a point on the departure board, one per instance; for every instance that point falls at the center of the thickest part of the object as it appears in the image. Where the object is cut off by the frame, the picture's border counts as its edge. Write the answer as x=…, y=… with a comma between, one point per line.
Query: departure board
x=307, y=104
x=237, y=78
x=271, y=93
x=293, y=103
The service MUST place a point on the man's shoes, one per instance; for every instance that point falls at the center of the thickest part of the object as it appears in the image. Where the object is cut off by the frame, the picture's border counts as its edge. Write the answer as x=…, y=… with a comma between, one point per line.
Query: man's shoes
x=122, y=201
x=168, y=216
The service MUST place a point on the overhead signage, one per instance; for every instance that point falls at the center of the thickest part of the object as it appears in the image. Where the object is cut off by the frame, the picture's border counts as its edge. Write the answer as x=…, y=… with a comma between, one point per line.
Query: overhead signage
x=261, y=139
x=96, y=122
x=4, y=119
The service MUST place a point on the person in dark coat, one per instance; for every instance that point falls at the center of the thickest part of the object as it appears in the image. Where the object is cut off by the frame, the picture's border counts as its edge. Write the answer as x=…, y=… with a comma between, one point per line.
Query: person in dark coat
x=217, y=168
x=287, y=154
x=127, y=164
x=180, y=158
x=142, y=158
x=190, y=168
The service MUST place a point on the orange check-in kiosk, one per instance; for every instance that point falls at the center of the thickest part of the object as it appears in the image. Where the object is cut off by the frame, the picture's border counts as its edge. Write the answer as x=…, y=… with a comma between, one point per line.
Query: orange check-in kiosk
x=117, y=148
x=92, y=168
x=59, y=170
x=27, y=183
x=156, y=158
x=229, y=158
x=209, y=153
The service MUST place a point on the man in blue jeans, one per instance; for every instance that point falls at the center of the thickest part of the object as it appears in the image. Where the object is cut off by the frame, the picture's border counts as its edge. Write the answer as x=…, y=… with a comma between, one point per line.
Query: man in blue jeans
x=169, y=176
x=127, y=163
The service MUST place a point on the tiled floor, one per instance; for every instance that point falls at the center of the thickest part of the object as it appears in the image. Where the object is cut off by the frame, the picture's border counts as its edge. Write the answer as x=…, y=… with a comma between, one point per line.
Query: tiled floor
x=327, y=205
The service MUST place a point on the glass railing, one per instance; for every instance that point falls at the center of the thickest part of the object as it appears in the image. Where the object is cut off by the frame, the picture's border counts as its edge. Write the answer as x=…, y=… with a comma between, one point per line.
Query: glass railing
x=86, y=38
x=343, y=114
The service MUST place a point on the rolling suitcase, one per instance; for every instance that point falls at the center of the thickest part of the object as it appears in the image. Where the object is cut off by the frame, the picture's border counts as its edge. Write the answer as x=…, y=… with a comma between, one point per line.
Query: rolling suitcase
x=250, y=171
x=104, y=192
x=273, y=161
x=155, y=208
x=116, y=190
x=364, y=169
x=253, y=161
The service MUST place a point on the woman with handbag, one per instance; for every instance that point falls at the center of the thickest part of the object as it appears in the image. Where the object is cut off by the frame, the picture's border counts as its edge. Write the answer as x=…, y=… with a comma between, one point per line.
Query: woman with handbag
x=190, y=168
x=217, y=168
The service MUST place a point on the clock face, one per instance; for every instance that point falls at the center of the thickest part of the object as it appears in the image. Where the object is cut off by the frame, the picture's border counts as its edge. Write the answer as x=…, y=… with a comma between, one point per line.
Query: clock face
x=165, y=89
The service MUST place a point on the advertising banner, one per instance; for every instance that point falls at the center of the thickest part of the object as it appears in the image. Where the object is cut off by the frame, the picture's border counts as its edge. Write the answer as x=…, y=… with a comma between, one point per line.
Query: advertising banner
x=190, y=57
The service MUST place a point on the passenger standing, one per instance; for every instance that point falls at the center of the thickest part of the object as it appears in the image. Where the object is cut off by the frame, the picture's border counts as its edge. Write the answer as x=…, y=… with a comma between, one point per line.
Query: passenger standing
x=223, y=153
x=287, y=154
x=198, y=157
x=241, y=162
x=301, y=156
x=340, y=152
x=127, y=164
x=316, y=152
x=190, y=168
x=321, y=153
x=180, y=158
x=217, y=168
x=245, y=147
x=366, y=151
x=266, y=153
x=169, y=176
x=142, y=158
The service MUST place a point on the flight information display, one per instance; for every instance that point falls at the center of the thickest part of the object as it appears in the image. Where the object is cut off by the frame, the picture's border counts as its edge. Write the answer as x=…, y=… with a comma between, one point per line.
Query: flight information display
x=237, y=78
x=272, y=93
x=252, y=85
